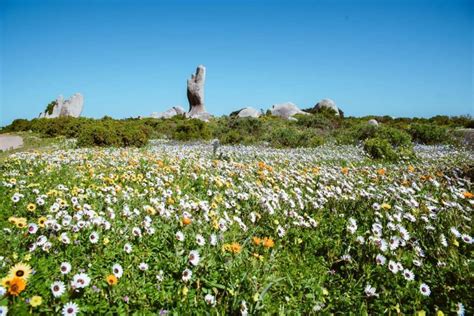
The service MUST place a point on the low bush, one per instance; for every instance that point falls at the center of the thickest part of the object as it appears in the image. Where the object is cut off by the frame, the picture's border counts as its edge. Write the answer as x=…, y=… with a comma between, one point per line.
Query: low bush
x=114, y=134
x=192, y=129
x=429, y=133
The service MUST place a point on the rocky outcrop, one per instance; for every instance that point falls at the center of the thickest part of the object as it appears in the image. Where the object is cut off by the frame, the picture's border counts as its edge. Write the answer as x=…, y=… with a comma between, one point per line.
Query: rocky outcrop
x=373, y=122
x=175, y=110
x=196, y=95
x=328, y=104
x=60, y=107
x=248, y=112
x=286, y=110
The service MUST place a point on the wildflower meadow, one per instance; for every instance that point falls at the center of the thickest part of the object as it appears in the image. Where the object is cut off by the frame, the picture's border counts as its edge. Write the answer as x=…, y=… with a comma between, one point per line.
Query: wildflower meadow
x=178, y=229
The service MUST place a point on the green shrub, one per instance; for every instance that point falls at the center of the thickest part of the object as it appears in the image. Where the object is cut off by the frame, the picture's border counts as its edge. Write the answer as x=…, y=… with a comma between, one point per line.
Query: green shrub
x=236, y=130
x=380, y=148
x=292, y=137
x=192, y=129
x=429, y=133
x=115, y=134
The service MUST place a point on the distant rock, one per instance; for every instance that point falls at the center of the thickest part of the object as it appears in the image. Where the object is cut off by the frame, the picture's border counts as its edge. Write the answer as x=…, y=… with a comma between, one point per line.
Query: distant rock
x=60, y=107
x=286, y=110
x=175, y=110
x=328, y=104
x=373, y=122
x=248, y=112
x=195, y=94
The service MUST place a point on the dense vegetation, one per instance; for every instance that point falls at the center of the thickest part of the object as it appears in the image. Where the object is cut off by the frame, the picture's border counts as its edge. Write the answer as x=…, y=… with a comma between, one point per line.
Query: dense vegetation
x=392, y=139
x=173, y=229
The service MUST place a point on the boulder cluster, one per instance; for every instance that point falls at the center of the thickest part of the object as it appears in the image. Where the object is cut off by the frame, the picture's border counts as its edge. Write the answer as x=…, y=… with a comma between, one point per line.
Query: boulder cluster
x=195, y=93
x=60, y=107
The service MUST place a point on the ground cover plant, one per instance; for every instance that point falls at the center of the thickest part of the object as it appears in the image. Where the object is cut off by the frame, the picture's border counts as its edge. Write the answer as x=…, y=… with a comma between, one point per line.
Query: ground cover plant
x=173, y=228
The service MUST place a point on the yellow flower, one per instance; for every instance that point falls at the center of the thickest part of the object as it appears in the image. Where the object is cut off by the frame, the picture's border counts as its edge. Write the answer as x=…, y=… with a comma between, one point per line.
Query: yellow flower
x=41, y=221
x=439, y=313
x=420, y=313
x=36, y=301
x=31, y=207
x=106, y=241
x=27, y=257
x=20, y=270
x=185, y=291
x=386, y=206
x=16, y=286
x=112, y=280
x=21, y=222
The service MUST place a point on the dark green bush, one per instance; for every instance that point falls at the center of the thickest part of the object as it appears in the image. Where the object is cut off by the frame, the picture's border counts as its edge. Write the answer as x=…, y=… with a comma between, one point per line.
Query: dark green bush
x=292, y=137
x=236, y=130
x=192, y=129
x=380, y=148
x=113, y=133
x=429, y=133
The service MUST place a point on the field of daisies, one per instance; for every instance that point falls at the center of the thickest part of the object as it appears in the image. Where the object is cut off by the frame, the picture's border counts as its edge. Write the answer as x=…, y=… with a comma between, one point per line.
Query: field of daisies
x=177, y=229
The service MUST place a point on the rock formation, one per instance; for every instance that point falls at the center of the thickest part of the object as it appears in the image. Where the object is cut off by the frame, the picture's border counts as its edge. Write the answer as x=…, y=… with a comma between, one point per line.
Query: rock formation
x=373, y=122
x=328, y=104
x=247, y=112
x=175, y=110
x=286, y=110
x=196, y=95
x=60, y=107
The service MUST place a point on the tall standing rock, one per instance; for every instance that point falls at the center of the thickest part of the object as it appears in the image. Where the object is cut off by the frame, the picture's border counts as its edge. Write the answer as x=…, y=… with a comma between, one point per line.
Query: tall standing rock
x=196, y=93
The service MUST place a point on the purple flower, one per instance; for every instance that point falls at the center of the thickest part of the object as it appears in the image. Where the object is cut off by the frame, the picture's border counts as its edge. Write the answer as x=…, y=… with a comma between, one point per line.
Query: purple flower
x=126, y=299
x=163, y=312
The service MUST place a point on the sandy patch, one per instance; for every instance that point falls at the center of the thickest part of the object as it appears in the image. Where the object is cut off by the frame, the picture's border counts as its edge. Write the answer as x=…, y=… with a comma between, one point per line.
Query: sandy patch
x=10, y=142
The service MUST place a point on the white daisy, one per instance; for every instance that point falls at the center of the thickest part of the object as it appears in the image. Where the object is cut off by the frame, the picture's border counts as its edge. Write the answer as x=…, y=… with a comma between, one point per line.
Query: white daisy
x=58, y=288
x=32, y=228
x=127, y=248
x=393, y=266
x=94, y=238
x=179, y=236
x=210, y=299
x=194, y=257
x=460, y=309
x=2, y=291
x=425, y=289
x=187, y=274
x=466, y=238
x=408, y=275
x=65, y=267
x=200, y=240
x=370, y=291
x=80, y=280
x=70, y=309
x=380, y=259
x=143, y=266
x=3, y=310
x=117, y=270
x=213, y=240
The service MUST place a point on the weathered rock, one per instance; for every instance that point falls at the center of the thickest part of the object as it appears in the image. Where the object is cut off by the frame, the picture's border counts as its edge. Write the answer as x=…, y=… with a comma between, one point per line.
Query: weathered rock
x=328, y=104
x=248, y=112
x=70, y=107
x=175, y=110
x=373, y=122
x=196, y=94
x=286, y=110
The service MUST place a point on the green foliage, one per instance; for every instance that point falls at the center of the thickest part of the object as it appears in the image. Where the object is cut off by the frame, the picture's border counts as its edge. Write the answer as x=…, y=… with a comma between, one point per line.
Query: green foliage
x=235, y=130
x=50, y=107
x=115, y=134
x=292, y=137
x=306, y=130
x=380, y=148
x=429, y=133
x=192, y=129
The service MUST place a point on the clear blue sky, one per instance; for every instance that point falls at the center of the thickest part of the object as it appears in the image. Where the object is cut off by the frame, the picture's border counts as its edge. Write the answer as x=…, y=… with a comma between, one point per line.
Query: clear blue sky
x=131, y=58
